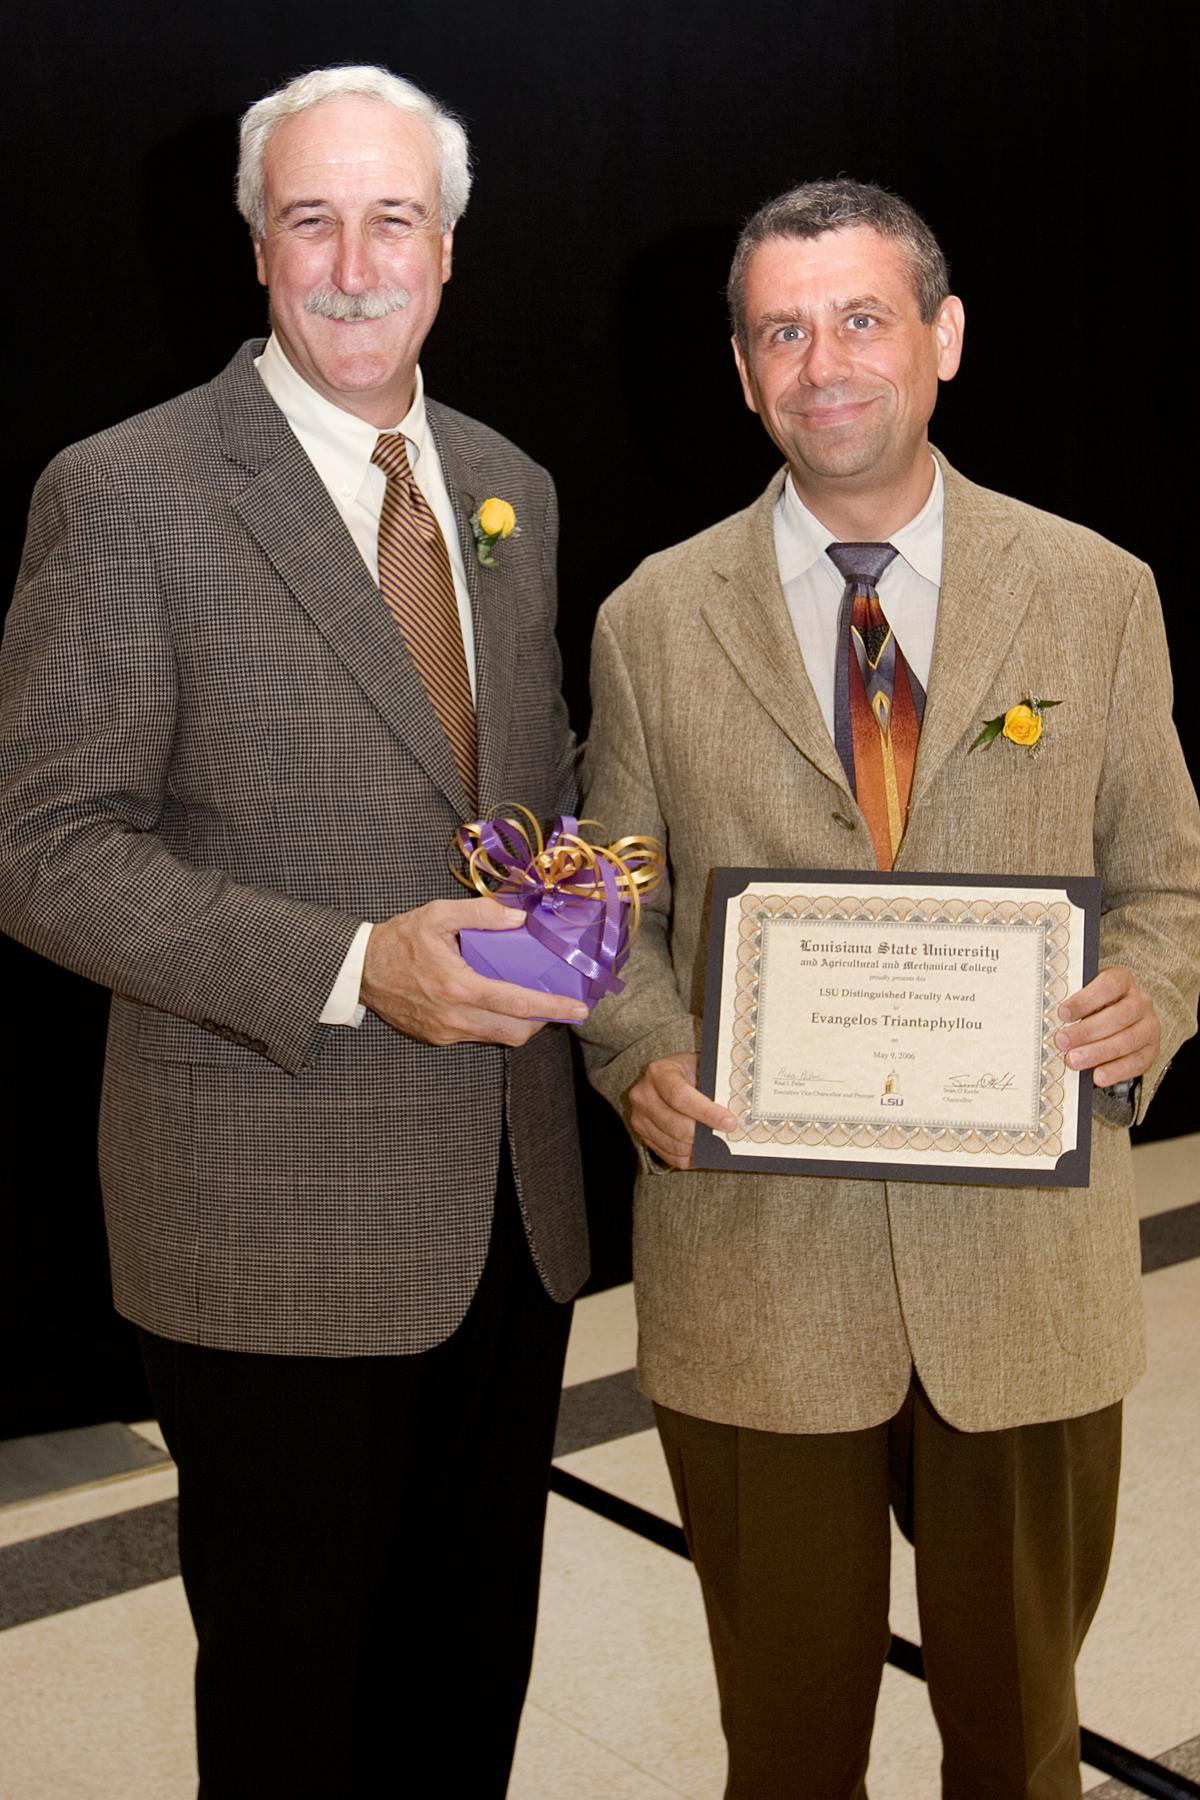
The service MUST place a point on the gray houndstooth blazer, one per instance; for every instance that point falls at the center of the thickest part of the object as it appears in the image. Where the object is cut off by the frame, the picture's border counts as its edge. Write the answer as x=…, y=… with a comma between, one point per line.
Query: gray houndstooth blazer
x=216, y=759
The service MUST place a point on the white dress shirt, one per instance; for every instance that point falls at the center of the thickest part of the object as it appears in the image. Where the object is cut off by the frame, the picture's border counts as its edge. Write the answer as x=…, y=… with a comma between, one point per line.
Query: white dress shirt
x=813, y=588
x=339, y=446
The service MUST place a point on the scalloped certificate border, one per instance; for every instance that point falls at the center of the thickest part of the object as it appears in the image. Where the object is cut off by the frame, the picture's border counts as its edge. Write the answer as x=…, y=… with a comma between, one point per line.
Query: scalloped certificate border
x=1052, y=1144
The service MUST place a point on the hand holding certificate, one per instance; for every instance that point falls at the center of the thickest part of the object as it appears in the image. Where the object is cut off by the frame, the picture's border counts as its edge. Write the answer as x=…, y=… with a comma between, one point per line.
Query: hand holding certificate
x=898, y=1026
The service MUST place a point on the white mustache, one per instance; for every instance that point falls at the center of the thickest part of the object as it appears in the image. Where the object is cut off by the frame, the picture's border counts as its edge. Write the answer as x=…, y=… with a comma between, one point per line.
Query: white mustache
x=331, y=303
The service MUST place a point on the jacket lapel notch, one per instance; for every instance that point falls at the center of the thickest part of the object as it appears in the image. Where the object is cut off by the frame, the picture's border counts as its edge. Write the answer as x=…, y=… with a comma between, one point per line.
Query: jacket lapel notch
x=749, y=617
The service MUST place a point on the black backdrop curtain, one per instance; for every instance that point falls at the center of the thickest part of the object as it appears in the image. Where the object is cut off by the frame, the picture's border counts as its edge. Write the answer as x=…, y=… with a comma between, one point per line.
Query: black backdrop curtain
x=618, y=146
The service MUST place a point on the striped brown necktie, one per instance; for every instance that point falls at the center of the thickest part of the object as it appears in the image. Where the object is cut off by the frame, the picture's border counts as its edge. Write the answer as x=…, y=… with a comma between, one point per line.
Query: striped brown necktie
x=879, y=703
x=418, y=588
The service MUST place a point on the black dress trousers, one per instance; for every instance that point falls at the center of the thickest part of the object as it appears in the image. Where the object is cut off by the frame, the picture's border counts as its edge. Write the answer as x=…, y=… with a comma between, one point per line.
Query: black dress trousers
x=360, y=1541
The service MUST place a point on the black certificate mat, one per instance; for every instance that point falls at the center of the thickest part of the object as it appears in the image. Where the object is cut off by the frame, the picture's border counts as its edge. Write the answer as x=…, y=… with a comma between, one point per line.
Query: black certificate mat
x=897, y=1027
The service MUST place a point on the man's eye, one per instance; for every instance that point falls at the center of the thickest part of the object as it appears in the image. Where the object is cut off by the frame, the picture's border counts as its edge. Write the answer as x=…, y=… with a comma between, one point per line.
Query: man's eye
x=860, y=321
x=789, y=334
x=395, y=223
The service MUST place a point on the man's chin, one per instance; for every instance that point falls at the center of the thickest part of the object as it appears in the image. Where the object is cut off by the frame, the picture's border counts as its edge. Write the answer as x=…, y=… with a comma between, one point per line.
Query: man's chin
x=838, y=462
x=363, y=373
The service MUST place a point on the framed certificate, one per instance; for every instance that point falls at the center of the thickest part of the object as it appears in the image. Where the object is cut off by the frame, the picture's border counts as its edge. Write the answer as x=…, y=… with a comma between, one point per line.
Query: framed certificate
x=897, y=1027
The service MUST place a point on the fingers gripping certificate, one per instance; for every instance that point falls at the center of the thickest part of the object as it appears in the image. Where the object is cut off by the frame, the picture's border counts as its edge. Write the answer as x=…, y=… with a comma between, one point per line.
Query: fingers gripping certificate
x=897, y=1027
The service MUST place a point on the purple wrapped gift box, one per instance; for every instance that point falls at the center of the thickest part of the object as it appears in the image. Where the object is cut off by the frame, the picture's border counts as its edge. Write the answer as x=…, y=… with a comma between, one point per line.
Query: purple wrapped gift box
x=574, y=897
x=522, y=957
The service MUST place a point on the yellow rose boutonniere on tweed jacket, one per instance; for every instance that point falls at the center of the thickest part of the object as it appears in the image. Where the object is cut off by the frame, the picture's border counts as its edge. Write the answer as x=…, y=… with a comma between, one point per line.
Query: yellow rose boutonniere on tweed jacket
x=1022, y=724
x=494, y=520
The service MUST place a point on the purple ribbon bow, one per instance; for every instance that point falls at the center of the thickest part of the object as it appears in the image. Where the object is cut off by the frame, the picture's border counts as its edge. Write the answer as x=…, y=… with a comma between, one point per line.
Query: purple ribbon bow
x=553, y=916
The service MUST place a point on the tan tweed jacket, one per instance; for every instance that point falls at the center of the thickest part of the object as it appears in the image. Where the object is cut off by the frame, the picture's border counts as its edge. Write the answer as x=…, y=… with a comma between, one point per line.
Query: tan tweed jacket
x=796, y=1303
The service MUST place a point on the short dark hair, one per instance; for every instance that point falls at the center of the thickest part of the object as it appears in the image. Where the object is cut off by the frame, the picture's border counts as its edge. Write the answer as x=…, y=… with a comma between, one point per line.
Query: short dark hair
x=820, y=206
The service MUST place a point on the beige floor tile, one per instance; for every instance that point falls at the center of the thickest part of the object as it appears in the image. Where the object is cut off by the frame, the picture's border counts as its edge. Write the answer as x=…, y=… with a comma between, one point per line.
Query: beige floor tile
x=555, y=1762
x=1167, y=1174
x=98, y=1701
x=603, y=1335
x=622, y=1652
x=906, y=1751
x=1139, y=1673
x=151, y=1430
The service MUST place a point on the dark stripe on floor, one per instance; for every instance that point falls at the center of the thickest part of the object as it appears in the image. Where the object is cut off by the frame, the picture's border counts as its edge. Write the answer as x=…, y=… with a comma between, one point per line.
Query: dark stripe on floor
x=596, y=1412
x=1183, y=1760
x=52, y=1574
x=1170, y=1237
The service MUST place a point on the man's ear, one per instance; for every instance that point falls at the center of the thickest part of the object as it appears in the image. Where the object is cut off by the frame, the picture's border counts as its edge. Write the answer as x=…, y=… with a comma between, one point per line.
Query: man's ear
x=260, y=261
x=744, y=376
x=948, y=329
x=447, y=253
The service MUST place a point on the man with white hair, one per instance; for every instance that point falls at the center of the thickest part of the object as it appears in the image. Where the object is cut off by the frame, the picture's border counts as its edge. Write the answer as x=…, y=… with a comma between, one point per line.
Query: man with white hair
x=264, y=657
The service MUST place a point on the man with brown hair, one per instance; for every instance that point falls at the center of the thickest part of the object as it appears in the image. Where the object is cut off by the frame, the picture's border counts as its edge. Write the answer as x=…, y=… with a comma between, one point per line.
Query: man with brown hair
x=820, y=1349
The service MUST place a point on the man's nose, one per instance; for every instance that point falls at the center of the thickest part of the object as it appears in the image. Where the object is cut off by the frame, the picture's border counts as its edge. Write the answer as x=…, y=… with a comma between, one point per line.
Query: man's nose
x=828, y=360
x=352, y=270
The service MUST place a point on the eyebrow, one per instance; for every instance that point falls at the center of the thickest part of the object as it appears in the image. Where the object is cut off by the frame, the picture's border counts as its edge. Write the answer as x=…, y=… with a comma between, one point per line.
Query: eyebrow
x=295, y=206
x=796, y=315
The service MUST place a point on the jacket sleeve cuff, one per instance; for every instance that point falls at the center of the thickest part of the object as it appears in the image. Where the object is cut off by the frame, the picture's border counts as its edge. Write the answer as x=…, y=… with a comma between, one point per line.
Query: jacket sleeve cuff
x=674, y=1037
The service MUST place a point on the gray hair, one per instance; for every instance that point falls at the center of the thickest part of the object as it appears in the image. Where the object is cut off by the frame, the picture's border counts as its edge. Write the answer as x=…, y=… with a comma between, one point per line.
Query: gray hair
x=260, y=120
x=820, y=206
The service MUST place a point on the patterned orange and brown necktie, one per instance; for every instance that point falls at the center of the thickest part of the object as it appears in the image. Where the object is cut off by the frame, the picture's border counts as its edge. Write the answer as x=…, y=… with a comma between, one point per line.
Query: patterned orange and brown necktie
x=418, y=588
x=878, y=704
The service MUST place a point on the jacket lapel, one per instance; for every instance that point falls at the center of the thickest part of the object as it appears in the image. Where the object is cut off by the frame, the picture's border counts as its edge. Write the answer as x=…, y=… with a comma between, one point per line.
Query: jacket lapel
x=491, y=600
x=748, y=615
x=986, y=587
x=289, y=513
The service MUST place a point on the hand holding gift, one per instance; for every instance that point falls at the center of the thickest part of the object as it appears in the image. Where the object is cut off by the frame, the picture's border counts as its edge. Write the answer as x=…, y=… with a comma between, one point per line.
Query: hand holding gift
x=581, y=902
x=416, y=981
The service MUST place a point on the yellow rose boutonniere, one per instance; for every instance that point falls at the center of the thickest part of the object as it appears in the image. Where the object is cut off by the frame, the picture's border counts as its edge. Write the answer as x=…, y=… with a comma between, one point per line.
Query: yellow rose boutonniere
x=494, y=520
x=1022, y=724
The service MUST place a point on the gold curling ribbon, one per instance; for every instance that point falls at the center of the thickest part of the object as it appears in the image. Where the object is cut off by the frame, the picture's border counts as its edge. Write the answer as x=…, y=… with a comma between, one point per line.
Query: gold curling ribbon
x=569, y=863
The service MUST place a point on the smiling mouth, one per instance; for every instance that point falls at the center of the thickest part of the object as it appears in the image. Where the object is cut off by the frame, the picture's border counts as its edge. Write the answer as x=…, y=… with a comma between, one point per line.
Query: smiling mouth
x=826, y=417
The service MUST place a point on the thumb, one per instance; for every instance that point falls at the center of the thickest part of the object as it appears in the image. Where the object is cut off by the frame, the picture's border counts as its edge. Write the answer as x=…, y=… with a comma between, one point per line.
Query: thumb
x=488, y=915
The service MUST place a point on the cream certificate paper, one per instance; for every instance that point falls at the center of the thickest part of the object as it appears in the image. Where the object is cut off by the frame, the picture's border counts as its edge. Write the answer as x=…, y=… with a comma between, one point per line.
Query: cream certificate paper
x=898, y=1027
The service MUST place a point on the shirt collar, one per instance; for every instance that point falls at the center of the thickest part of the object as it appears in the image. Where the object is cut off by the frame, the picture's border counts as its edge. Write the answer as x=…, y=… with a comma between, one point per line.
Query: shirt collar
x=803, y=540
x=338, y=441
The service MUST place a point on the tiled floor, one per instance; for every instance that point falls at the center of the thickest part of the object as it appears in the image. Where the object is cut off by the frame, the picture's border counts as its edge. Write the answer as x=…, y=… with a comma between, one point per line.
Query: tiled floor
x=96, y=1702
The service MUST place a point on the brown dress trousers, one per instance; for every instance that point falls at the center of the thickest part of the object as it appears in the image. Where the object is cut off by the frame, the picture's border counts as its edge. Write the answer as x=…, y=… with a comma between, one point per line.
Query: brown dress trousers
x=791, y=1539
